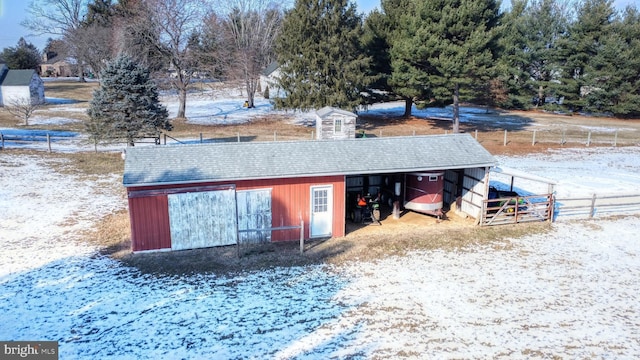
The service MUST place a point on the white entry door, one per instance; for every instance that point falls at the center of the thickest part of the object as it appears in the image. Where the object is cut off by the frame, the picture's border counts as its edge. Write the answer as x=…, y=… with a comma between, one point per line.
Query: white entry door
x=321, y=222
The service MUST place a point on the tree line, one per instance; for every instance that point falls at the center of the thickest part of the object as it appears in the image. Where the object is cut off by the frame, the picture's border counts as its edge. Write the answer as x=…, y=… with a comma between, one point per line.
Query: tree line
x=575, y=57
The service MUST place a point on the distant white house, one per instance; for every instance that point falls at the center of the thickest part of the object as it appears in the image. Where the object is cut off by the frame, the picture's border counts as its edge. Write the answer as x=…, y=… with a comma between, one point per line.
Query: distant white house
x=269, y=78
x=16, y=85
x=333, y=123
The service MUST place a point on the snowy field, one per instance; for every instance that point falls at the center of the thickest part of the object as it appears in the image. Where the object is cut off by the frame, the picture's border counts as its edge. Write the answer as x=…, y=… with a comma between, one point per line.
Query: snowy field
x=571, y=293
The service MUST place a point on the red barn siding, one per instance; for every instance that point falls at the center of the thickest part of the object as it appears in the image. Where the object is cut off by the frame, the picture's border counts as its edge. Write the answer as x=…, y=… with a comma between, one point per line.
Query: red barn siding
x=149, y=223
x=290, y=199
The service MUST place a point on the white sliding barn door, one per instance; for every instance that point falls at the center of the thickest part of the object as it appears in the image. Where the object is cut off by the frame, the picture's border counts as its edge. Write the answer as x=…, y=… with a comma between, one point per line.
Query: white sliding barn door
x=202, y=219
x=254, y=213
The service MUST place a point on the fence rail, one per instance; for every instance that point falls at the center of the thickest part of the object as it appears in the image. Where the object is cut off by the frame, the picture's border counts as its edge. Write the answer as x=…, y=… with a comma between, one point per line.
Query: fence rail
x=31, y=138
x=621, y=137
x=589, y=207
x=511, y=210
x=277, y=228
x=545, y=207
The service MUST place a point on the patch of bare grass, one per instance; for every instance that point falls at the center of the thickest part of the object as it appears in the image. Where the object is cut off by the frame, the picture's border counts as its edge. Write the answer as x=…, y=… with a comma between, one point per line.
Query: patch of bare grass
x=112, y=234
x=90, y=165
x=375, y=245
x=79, y=91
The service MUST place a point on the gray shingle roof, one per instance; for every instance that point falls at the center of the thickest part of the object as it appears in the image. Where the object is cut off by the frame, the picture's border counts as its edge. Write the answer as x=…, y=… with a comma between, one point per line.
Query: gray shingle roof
x=273, y=66
x=181, y=164
x=329, y=110
x=18, y=78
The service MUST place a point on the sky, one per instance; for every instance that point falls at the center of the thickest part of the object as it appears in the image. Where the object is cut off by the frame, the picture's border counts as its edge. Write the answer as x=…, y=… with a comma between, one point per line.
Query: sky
x=12, y=12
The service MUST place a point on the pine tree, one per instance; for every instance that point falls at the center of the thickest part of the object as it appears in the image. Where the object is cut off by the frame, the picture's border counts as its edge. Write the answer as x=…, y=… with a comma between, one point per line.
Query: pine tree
x=126, y=105
x=406, y=79
x=443, y=49
x=602, y=69
x=379, y=32
x=529, y=41
x=321, y=58
x=24, y=56
x=623, y=87
x=584, y=40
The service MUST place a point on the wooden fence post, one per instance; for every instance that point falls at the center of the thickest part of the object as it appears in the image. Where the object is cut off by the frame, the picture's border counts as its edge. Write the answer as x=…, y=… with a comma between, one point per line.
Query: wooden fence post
x=534, y=138
x=505, y=137
x=238, y=137
x=476, y=136
x=275, y=135
x=589, y=139
x=49, y=142
x=301, y=236
x=592, y=212
x=562, y=142
x=615, y=139
x=1, y=141
x=200, y=138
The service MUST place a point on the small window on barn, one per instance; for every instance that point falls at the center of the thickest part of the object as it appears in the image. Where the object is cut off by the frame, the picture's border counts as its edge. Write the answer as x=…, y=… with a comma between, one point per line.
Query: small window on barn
x=320, y=201
x=433, y=178
x=337, y=125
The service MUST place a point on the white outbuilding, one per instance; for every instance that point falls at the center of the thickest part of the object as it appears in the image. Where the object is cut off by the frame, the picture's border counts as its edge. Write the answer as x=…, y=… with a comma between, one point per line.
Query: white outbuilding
x=20, y=85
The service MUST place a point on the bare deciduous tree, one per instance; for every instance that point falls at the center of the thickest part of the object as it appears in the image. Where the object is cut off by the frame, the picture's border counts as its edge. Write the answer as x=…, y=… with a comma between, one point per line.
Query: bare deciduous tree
x=168, y=27
x=92, y=43
x=22, y=108
x=253, y=26
x=59, y=18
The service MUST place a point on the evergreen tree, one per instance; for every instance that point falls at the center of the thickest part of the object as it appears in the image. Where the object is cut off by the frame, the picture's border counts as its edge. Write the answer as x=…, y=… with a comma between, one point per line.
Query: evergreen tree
x=624, y=84
x=24, y=56
x=408, y=78
x=321, y=56
x=379, y=31
x=443, y=49
x=528, y=44
x=126, y=105
x=585, y=38
x=610, y=82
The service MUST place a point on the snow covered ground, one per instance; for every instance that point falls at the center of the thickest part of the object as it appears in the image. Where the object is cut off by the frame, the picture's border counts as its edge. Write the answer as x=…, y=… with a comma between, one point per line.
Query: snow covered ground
x=571, y=293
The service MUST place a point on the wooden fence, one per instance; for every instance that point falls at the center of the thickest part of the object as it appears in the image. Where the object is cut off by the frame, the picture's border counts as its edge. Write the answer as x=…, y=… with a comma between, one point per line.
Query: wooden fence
x=595, y=205
x=241, y=244
x=546, y=207
x=49, y=139
x=517, y=210
x=537, y=137
x=40, y=138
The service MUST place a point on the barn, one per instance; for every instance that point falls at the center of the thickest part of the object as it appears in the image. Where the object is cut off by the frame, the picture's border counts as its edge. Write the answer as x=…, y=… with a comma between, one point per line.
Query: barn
x=204, y=195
